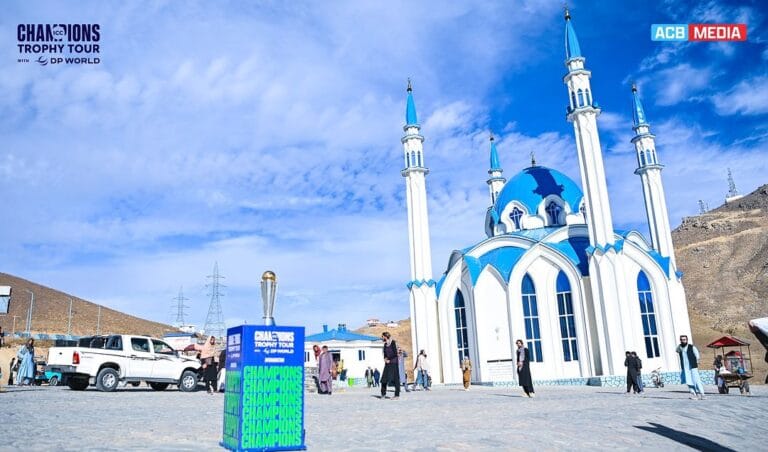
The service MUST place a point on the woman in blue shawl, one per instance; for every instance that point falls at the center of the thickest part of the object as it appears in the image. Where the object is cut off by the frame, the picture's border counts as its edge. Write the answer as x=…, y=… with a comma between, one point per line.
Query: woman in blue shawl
x=26, y=356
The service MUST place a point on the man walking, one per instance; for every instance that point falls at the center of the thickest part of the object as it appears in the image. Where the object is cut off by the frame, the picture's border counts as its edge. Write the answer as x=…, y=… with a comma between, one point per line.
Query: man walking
x=391, y=371
x=689, y=364
x=638, y=373
x=422, y=371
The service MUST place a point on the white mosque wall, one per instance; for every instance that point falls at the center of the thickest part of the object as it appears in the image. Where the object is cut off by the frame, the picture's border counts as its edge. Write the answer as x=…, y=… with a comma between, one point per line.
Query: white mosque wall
x=493, y=336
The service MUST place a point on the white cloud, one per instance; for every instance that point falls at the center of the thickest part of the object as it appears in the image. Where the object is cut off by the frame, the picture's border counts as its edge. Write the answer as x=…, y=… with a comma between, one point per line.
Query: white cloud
x=748, y=97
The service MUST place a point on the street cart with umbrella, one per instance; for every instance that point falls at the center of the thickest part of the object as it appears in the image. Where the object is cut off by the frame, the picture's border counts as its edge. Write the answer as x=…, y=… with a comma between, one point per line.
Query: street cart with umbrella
x=736, y=369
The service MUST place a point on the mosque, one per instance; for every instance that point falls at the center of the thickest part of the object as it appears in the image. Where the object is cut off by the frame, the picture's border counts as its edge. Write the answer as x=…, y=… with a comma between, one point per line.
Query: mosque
x=552, y=270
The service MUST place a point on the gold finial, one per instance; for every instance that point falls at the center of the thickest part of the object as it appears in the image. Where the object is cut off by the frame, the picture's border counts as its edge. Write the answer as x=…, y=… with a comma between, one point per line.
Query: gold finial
x=409, y=85
x=533, y=159
x=269, y=275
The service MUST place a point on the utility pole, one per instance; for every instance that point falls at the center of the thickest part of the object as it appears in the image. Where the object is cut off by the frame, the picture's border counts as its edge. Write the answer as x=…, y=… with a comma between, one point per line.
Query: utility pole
x=98, y=322
x=29, y=312
x=69, y=318
x=13, y=331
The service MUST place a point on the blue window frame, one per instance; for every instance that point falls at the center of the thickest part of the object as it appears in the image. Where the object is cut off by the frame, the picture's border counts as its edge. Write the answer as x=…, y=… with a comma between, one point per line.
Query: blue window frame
x=553, y=210
x=516, y=215
x=460, y=311
x=567, y=319
x=531, y=319
x=648, y=316
x=361, y=355
x=581, y=98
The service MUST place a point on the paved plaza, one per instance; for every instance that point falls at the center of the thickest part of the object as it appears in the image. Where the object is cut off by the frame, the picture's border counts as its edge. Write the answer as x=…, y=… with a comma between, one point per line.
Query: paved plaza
x=446, y=418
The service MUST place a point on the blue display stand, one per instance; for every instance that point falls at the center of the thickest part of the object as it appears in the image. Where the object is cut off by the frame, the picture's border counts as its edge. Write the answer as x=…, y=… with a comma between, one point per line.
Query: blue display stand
x=264, y=398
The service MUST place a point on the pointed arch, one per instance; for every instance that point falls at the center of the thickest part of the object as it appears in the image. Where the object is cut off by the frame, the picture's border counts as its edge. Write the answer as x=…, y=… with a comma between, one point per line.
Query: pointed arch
x=581, y=98
x=462, y=331
x=573, y=100
x=516, y=216
x=648, y=315
x=567, y=318
x=531, y=319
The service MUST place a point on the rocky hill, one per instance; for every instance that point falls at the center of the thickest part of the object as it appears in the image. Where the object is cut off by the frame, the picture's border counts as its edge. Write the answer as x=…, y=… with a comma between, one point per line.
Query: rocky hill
x=51, y=308
x=401, y=334
x=724, y=256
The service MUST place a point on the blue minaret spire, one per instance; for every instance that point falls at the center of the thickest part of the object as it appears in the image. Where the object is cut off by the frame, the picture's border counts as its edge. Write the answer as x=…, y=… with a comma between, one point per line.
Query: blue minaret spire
x=638, y=114
x=572, y=49
x=495, y=180
x=495, y=166
x=410, y=108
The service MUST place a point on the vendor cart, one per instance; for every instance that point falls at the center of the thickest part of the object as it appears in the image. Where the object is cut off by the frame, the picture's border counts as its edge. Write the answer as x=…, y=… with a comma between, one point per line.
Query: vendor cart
x=737, y=367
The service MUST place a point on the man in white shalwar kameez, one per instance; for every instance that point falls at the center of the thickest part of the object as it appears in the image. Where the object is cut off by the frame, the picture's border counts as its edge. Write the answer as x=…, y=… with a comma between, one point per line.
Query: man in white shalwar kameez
x=689, y=364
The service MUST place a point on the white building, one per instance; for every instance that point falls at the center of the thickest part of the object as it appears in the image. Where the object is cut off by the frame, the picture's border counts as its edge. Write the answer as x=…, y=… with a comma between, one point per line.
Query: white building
x=357, y=351
x=552, y=270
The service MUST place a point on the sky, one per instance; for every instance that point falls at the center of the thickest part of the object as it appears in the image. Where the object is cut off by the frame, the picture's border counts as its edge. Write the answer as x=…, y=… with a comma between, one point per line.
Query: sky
x=266, y=136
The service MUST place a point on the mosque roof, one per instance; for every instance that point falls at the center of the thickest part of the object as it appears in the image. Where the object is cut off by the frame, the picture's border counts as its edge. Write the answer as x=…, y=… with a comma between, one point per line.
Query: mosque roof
x=533, y=184
x=339, y=334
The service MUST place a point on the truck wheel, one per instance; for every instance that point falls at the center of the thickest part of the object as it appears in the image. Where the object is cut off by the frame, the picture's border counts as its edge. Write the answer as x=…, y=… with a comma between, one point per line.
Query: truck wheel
x=77, y=384
x=107, y=379
x=188, y=381
x=158, y=386
x=54, y=381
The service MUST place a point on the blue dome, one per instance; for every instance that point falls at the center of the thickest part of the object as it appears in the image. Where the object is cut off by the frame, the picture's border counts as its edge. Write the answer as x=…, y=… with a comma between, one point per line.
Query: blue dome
x=530, y=186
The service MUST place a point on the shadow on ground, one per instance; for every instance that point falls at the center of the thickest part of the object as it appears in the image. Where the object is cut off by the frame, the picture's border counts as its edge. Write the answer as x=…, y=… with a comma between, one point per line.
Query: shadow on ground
x=687, y=439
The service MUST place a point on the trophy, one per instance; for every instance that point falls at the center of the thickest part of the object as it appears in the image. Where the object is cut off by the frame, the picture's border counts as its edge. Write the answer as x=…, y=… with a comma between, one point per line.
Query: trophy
x=268, y=292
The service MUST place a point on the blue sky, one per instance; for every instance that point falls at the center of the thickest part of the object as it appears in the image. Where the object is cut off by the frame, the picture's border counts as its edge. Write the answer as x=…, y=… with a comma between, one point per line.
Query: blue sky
x=267, y=136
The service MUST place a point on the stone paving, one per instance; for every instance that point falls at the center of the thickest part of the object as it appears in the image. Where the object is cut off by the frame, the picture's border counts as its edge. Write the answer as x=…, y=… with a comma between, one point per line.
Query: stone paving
x=446, y=418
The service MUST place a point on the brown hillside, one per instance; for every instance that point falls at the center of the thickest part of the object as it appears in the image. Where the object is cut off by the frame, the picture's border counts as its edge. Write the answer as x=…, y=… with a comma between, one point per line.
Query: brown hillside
x=51, y=308
x=724, y=255
x=401, y=334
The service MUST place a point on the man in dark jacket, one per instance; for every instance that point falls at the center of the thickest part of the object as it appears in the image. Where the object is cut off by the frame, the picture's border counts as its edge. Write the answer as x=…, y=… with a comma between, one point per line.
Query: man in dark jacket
x=391, y=368
x=631, y=364
x=638, y=373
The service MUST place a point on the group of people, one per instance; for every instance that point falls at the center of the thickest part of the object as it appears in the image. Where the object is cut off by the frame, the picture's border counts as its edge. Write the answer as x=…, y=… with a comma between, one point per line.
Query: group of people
x=212, y=361
x=372, y=377
x=23, y=365
x=634, y=366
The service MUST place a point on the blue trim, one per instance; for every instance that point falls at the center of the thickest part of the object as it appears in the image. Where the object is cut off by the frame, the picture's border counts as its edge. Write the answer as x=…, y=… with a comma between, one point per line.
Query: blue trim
x=661, y=260
x=439, y=284
x=577, y=250
x=572, y=49
x=503, y=259
x=419, y=283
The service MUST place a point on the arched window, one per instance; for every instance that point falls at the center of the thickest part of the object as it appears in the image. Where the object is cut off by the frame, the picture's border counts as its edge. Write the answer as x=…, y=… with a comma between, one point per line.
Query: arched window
x=461, y=325
x=516, y=215
x=567, y=319
x=581, y=98
x=583, y=210
x=573, y=100
x=413, y=158
x=531, y=319
x=418, y=156
x=553, y=211
x=589, y=97
x=648, y=316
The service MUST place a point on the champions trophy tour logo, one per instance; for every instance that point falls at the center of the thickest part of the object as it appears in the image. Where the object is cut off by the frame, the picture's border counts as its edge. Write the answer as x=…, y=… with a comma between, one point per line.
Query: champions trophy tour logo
x=59, y=43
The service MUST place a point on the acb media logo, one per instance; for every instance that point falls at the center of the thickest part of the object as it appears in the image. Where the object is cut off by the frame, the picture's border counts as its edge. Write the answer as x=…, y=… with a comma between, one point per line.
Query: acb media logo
x=698, y=32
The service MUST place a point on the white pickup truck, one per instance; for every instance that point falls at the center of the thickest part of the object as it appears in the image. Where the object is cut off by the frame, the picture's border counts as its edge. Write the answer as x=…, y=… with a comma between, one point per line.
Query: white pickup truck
x=108, y=360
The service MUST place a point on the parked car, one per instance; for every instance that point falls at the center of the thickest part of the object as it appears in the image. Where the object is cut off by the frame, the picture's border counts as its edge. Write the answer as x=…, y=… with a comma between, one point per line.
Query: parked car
x=106, y=361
